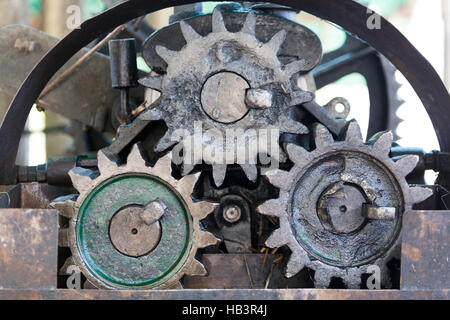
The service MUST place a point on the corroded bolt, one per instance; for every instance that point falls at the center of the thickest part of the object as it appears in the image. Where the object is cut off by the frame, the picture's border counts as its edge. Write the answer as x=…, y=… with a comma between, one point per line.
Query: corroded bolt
x=153, y=211
x=232, y=213
x=374, y=212
x=258, y=98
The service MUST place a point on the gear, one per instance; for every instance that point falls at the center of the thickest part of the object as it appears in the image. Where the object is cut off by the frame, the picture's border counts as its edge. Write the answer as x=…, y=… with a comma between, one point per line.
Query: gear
x=227, y=81
x=341, y=205
x=133, y=226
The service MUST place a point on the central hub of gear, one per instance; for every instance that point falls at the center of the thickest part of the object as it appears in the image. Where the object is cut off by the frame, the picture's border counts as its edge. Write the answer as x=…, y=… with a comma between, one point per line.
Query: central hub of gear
x=223, y=97
x=340, y=208
x=130, y=235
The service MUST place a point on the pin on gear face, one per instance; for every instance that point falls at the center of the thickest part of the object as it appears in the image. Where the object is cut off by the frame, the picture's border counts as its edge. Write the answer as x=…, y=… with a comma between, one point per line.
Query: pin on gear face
x=133, y=226
x=340, y=207
x=227, y=81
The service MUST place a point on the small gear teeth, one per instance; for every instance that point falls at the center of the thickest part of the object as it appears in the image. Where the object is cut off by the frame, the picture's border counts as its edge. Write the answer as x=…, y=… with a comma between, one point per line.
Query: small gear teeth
x=165, y=53
x=189, y=33
x=295, y=67
x=322, y=137
x=153, y=82
x=82, y=178
x=251, y=171
x=383, y=143
x=86, y=180
x=353, y=134
x=219, y=172
x=377, y=148
x=419, y=194
x=407, y=164
x=278, y=178
x=275, y=43
x=218, y=24
x=249, y=26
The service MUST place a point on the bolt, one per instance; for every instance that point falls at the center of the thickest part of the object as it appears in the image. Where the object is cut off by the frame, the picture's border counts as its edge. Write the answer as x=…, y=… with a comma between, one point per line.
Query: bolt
x=153, y=211
x=232, y=213
x=258, y=99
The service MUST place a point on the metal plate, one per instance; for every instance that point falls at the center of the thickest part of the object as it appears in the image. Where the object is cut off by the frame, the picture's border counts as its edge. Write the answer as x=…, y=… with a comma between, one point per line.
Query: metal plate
x=28, y=248
x=425, y=250
x=237, y=294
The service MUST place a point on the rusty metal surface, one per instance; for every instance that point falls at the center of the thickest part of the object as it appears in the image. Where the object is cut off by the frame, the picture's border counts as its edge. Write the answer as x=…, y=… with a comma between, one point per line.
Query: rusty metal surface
x=425, y=250
x=227, y=271
x=28, y=248
x=21, y=47
x=243, y=294
x=30, y=195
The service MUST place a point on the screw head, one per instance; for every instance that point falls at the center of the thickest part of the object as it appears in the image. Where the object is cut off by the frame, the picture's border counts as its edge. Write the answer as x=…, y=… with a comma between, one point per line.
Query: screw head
x=232, y=213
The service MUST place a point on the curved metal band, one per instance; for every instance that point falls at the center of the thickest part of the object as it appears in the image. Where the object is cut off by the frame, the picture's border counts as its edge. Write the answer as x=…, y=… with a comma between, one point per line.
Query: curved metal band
x=347, y=13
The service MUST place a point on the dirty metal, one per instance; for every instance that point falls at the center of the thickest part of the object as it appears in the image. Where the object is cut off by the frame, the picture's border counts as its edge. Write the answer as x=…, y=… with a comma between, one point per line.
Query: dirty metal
x=425, y=251
x=28, y=248
x=346, y=178
x=156, y=263
x=394, y=46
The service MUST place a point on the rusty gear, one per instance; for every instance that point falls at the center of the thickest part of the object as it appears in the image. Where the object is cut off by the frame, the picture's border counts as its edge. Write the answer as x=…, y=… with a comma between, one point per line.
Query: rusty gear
x=340, y=207
x=227, y=81
x=161, y=229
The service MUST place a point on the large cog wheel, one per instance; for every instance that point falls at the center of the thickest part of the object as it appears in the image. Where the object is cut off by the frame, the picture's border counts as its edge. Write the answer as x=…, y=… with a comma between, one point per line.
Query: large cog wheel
x=227, y=81
x=133, y=226
x=341, y=205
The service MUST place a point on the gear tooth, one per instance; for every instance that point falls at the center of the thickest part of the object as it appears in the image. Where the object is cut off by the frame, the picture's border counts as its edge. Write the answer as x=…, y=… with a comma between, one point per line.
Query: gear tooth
x=407, y=164
x=186, y=169
x=64, y=269
x=164, y=143
x=249, y=26
x=353, y=134
x=272, y=207
x=298, y=154
x=300, y=97
x=201, y=210
x=382, y=143
x=82, y=178
x=322, y=137
x=163, y=167
x=206, y=239
x=322, y=278
x=189, y=33
x=187, y=184
x=352, y=279
x=196, y=268
x=218, y=24
x=277, y=40
x=177, y=286
x=419, y=194
x=279, y=178
x=66, y=205
x=135, y=157
x=296, y=264
x=165, y=53
x=219, y=171
x=277, y=239
x=251, y=171
x=295, y=67
x=152, y=82
x=105, y=165
x=63, y=237
x=288, y=125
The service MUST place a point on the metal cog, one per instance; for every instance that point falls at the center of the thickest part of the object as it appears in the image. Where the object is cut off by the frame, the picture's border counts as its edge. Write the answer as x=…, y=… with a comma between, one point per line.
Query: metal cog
x=342, y=243
x=227, y=81
x=88, y=183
